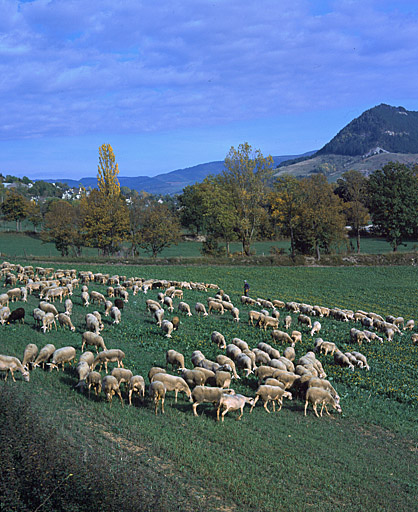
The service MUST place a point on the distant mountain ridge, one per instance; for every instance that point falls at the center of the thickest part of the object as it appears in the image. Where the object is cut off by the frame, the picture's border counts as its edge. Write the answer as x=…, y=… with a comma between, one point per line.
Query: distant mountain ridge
x=168, y=183
x=379, y=135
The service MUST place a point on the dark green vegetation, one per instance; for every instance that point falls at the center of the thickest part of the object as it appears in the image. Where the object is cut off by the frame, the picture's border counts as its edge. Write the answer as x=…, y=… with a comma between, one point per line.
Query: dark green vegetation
x=128, y=458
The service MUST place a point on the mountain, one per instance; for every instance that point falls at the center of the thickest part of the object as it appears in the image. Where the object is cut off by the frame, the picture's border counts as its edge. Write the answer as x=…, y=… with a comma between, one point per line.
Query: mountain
x=379, y=135
x=168, y=183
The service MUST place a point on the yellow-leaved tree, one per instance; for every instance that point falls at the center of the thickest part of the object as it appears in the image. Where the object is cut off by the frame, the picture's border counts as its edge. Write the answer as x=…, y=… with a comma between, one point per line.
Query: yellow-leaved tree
x=105, y=213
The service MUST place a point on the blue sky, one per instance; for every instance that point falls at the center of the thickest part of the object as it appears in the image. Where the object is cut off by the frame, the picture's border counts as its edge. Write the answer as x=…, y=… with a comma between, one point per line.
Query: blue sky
x=175, y=83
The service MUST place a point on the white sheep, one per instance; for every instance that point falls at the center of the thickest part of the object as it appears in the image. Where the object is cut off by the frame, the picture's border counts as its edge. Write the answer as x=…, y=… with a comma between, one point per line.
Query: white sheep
x=168, y=301
x=235, y=314
x=183, y=307
x=200, y=309
x=157, y=391
x=44, y=355
x=116, y=314
x=136, y=385
x=85, y=297
x=110, y=386
x=215, y=306
x=48, y=320
x=219, y=339
x=68, y=307
x=232, y=403
x=159, y=315
x=206, y=394
x=173, y=383
x=317, y=396
x=109, y=356
x=315, y=328
x=167, y=327
x=29, y=355
x=176, y=359
x=4, y=314
x=270, y=394
x=61, y=356
x=65, y=321
x=11, y=364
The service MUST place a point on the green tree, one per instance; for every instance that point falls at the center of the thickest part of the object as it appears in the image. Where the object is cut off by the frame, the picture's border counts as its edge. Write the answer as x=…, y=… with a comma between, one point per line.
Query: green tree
x=34, y=214
x=320, y=223
x=192, y=208
x=352, y=188
x=160, y=229
x=14, y=207
x=60, y=226
x=244, y=181
x=393, y=202
x=285, y=204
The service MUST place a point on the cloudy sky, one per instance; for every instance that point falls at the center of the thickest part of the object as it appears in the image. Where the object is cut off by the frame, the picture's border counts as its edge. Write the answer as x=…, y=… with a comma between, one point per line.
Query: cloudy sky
x=174, y=83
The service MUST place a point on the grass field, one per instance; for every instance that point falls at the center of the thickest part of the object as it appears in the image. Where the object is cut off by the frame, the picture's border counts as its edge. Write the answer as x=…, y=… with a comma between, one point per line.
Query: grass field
x=365, y=459
x=22, y=245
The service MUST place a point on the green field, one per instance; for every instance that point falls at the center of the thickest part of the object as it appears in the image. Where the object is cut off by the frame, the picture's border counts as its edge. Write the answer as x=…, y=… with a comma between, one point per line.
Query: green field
x=363, y=460
x=24, y=245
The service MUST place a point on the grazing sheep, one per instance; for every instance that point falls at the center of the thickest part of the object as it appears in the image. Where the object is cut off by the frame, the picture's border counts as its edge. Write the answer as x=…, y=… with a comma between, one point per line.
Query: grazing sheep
x=85, y=297
x=324, y=347
x=254, y=316
x=68, y=307
x=94, y=380
x=183, y=307
x=215, y=306
x=173, y=383
x=4, y=299
x=119, y=303
x=219, y=339
x=48, y=320
x=154, y=370
x=305, y=320
x=287, y=322
x=122, y=375
x=194, y=377
x=289, y=353
x=115, y=313
x=244, y=362
x=167, y=327
x=414, y=339
x=281, y=336
x=399, y=322
x=270, y=381
x=44, y=355
x=200, y=309
x=317, y=396
x=97, y=297
x=261, y=357
x=263, y=372
x=235, y=314
x=241, y=344
x=232, y=403
x=225, y=360
x=196, y=357
x=268, y=321
x=48, y=308
x=14, y=294
x=168, y=301
x=270, y=394
x=233, y=351
x=223, y=379
x=92, y=323
x=410, y=324
x=342, y=360
x=176, y=359
x=29, y=355
x=88, y=357
x=288, y=378
x=315, y=382
x=158, y=315
x=17, y=315
x=136, y=385
x=82, y=370
x=11, y=364
x=110, y=386
x=61, y=356
x=208, y=374
x=94, y=339
x=108, y=306
x=114, y=355
x=362, y=358
x=296, y=337
x=316, y=328
x=65, y=321
x=157, y=391
x=202, y=394
x=277, y=364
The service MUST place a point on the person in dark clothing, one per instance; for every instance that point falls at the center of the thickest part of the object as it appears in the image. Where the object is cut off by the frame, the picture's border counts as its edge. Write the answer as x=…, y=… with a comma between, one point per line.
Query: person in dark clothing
x=246, y=288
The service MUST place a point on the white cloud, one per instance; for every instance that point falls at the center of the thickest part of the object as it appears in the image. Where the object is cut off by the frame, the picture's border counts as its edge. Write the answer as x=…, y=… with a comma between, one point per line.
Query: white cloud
x=72, y=67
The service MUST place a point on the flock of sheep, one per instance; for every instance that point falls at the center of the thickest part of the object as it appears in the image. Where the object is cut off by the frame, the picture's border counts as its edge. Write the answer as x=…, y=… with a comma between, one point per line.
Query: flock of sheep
x=279, y=376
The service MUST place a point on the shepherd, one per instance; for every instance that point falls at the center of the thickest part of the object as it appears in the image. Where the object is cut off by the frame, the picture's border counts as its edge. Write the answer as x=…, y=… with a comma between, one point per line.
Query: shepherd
x=246, y=288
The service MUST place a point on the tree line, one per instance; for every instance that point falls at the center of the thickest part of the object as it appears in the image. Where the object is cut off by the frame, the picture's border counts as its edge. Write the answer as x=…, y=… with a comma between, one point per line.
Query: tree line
x=244, y=203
